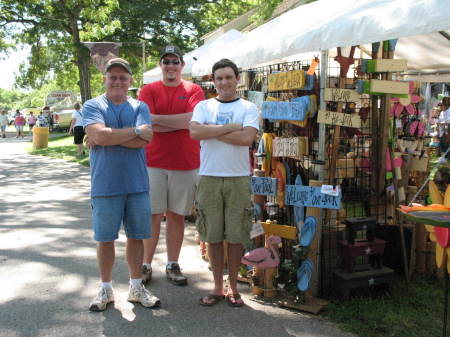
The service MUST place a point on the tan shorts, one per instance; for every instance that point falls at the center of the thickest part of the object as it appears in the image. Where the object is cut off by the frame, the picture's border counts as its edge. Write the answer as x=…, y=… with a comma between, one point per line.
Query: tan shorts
x=224, y=209
x=172, y=190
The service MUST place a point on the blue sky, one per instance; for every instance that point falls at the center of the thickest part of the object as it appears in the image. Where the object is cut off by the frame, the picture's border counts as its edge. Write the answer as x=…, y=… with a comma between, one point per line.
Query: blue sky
x=10, y=65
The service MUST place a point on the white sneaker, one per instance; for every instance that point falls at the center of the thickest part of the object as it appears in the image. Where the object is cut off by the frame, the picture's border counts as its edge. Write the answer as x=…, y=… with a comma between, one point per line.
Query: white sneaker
x=104, y=296
x=143, y=296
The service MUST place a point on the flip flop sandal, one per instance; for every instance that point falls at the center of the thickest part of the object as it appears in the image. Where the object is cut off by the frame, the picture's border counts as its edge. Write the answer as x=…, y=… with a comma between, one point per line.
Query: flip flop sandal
x=308, y=231
x=210, y=300
x=304, y=275
x=232, y=300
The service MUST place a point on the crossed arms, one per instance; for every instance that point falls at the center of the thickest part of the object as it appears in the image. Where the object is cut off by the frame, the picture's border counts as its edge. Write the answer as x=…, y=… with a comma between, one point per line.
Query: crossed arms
x=233, y=134
x=99, y=134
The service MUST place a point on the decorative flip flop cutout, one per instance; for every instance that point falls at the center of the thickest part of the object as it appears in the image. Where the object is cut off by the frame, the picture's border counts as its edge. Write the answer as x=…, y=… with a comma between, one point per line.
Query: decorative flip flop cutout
x=420, y=129
x=304, y=275
x=308, y=231
x=412, y=128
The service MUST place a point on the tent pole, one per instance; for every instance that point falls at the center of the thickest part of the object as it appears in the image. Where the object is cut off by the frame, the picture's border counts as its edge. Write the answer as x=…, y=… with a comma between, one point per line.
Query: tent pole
x=323, y=107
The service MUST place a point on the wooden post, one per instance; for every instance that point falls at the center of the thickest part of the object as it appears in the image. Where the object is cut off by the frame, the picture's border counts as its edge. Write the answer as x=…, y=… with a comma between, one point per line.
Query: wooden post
x=314, y=248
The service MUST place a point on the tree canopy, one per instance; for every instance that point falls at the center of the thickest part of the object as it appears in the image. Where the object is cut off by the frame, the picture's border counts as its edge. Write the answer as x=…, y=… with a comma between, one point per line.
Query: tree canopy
x=56, y=30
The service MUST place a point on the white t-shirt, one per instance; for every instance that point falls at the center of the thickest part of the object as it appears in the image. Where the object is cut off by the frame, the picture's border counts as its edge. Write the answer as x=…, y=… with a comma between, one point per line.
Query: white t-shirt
x=78, y=118
x=217, y=158
x=3, y=120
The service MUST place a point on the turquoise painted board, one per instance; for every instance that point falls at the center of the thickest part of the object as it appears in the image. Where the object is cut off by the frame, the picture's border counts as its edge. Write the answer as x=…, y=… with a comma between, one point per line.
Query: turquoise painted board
x=295, y=111
x=311, y=196
x=264, y=186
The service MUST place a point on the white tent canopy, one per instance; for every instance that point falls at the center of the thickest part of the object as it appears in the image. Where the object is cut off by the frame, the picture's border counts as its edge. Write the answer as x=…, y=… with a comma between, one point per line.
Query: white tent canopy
x=326, y=24
x=197, y=55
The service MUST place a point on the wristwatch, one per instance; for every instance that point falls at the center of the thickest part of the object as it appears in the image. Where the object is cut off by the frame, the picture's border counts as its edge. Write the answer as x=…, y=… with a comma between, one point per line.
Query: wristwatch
x=137, y=131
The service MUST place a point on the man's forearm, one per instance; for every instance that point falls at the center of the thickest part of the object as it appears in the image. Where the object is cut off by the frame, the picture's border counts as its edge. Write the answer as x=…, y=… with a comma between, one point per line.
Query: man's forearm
x=161, y=128
x=208, y=131
x=241, y=138
x=135, y=143
x=176, y=122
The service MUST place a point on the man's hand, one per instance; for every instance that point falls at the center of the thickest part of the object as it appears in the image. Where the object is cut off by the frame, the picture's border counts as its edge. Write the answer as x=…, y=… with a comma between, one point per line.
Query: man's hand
x=234, y=127
x=88, y=142
x=146, y=132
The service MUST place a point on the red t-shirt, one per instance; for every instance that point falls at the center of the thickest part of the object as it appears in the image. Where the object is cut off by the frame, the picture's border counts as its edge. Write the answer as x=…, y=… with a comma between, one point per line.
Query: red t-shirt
x=174, y=150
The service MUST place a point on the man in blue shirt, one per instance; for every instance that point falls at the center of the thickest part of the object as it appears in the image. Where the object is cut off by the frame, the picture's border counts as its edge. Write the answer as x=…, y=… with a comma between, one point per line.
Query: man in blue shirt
x=118, y=129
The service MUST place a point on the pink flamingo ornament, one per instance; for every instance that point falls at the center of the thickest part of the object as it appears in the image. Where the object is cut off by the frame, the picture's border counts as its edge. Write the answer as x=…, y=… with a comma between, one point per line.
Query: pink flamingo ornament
x=263, y=258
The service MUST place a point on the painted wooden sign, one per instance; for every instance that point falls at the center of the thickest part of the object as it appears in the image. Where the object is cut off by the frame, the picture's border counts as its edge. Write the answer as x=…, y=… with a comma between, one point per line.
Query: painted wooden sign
x=310, y=196
x=264, y=186
x=288, y=80
x=339, y=118
x=383, y=65
x=389, y=87
x=290, y=147
x=256, y=97
x=341, y=95
x=284, y=110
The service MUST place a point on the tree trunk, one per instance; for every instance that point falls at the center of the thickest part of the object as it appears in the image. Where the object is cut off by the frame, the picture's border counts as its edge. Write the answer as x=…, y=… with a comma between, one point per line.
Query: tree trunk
x=83, y=60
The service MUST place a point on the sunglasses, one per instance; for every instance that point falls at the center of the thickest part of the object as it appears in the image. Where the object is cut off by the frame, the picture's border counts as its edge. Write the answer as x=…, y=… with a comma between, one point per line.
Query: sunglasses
x=174, y=62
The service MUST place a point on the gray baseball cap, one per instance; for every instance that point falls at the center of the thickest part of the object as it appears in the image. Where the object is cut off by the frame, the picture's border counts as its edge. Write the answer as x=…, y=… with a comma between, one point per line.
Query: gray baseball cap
x=118, y=62
x=171, y=49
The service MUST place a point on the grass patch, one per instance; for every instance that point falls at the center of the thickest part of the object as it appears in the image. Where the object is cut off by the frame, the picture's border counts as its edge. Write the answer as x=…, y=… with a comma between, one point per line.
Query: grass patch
x=61, y=147
x=414, y=311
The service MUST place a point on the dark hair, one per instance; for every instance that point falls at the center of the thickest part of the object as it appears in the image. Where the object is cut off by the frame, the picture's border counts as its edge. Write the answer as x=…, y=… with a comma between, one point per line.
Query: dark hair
x=446, y=102
x=223, y=63
x=77, y=106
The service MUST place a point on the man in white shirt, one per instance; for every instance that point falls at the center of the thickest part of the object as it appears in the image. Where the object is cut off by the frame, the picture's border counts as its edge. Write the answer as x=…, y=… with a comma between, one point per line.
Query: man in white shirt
x=227, y=126
x=3, y=123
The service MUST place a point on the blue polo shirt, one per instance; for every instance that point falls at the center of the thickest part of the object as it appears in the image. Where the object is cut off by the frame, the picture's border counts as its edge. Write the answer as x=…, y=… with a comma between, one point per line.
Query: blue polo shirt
x=117, y=169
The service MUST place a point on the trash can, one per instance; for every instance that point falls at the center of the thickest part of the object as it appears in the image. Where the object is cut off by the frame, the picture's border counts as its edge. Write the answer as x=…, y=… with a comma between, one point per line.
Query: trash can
x=40, y=137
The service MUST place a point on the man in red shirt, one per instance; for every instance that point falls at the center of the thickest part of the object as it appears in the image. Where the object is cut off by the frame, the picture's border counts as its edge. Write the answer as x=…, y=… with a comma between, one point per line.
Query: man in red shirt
x=173, y=159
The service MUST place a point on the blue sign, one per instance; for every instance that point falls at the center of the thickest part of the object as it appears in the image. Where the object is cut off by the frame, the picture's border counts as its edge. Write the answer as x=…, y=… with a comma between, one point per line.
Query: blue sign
x=264, y=186
x=295, y=111
x=311, y=196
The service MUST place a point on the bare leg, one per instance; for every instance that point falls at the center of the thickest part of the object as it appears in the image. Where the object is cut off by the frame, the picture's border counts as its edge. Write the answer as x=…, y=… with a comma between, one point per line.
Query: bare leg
x=135, y=253
x=105, y=259
x=235, y=252
x=174, y=235
x=150, y=244
x=80, y=149
x=215, y=252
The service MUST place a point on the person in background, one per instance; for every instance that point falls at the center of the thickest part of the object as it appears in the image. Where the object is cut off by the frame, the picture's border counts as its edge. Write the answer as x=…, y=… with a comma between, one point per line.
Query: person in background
x=31, y=121
x=118, y=129
x=76, y=128
x=43, y=117
x=227, y=126
x=3, y=123
x=172, y=159
x=443, y=125
x=19, y=122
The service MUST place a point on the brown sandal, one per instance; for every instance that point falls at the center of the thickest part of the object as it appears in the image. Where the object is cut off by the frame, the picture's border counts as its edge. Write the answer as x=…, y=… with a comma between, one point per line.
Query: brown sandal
x=211, y=299
x=234, y=300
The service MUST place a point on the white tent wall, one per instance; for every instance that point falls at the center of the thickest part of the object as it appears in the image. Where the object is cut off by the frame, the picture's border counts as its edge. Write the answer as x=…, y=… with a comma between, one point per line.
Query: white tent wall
x=326, y=24
x=197, y=55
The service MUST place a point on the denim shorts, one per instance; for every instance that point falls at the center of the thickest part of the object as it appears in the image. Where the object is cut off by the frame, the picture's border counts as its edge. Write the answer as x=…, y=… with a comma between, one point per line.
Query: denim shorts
x=133, y=210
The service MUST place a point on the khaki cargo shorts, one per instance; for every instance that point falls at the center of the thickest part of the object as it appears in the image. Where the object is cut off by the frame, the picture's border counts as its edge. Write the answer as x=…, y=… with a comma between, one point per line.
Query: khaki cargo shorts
x=224, y=209
x=172, y=190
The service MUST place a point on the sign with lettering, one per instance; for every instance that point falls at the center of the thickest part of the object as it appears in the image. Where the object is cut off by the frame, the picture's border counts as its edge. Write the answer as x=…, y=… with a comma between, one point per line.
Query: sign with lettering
x=339, y=118
x=341, y=95
x=256, y=97
x=290, y=147
x=288, y=80
x=284, y=110
x=311, y=196
x=264, y=186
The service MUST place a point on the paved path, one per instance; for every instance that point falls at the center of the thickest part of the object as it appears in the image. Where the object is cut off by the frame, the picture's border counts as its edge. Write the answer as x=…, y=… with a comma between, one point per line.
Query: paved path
x=48, y=270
